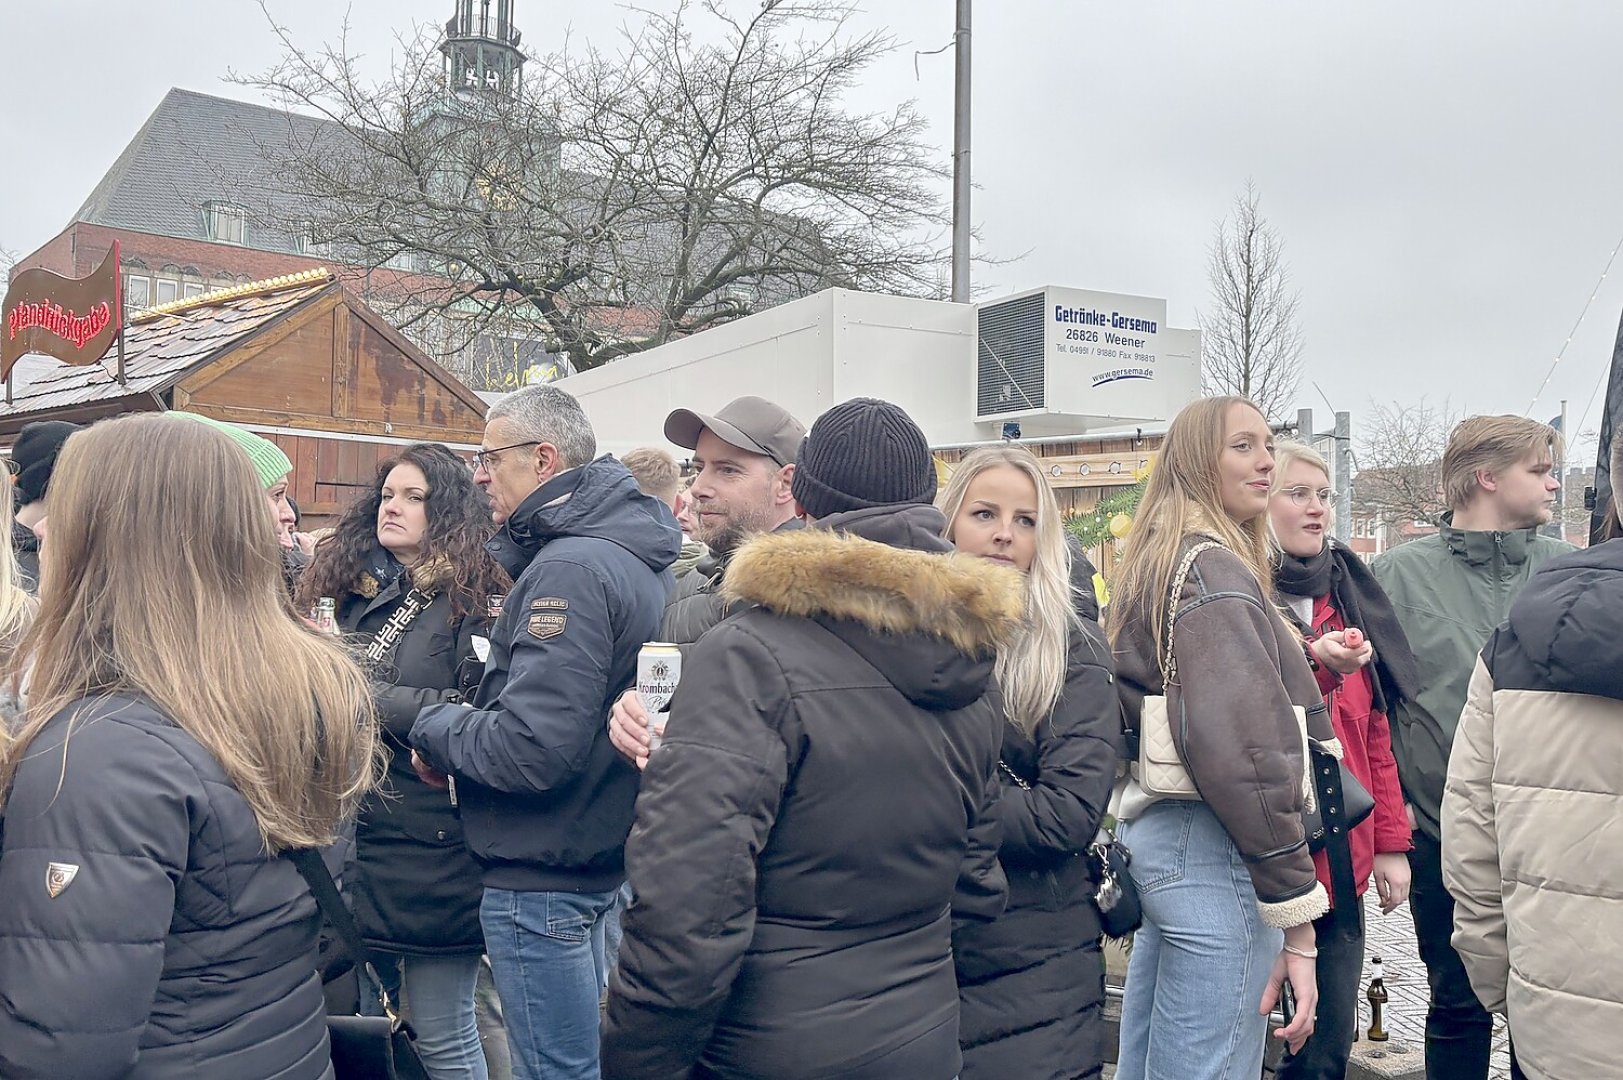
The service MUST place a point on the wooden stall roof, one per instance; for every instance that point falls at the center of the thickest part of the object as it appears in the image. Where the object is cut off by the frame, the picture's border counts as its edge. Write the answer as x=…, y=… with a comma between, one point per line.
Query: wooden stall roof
x=299, y=352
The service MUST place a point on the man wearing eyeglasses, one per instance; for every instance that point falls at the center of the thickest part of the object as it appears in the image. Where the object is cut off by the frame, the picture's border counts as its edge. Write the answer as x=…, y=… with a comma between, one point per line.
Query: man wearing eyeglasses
x=546, y=801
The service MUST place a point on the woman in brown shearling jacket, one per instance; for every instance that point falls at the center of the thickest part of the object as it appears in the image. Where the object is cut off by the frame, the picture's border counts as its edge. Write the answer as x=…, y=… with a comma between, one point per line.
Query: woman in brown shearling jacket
x=1223, y=875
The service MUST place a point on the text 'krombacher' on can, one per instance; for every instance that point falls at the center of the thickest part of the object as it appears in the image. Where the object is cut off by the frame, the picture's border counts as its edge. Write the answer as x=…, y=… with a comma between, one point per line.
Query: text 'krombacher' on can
x=659, y=669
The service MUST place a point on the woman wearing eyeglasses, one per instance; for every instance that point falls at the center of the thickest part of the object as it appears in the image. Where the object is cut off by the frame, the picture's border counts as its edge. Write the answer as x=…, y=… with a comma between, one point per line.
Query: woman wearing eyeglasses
x=1330, y=594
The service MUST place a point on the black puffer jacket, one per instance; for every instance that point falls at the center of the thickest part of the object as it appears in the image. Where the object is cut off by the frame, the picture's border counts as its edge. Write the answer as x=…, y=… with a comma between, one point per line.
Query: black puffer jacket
x=177, y=947
x=417, y=888
x=1031, y=984
x=817, y=816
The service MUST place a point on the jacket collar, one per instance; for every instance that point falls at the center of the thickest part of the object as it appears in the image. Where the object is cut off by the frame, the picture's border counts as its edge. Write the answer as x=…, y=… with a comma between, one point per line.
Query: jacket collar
x=526, y=530
x=1479, y=548
x=817, y=573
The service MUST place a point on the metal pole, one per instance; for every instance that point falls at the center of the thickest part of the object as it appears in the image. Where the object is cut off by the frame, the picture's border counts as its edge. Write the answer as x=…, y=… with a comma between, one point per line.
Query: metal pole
x=1343, y=476
x=1561, y=475
x=960, y=162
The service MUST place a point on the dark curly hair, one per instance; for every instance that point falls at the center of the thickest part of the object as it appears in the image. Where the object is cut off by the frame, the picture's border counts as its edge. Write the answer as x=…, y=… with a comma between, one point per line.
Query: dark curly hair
x=458, y=526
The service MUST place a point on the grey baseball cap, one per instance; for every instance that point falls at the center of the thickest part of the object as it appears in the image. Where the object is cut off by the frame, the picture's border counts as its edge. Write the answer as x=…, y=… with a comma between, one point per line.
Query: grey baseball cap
x=749, y=423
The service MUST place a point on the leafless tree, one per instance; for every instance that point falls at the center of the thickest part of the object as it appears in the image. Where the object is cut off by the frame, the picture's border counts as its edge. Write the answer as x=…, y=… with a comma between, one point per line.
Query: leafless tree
x=1250, y=338
x=705, y=168
x=8, y=261
x=1400, y=463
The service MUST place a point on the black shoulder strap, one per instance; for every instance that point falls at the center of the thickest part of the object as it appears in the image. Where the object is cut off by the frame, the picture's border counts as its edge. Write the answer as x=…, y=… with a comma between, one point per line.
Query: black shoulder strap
x=314, y=872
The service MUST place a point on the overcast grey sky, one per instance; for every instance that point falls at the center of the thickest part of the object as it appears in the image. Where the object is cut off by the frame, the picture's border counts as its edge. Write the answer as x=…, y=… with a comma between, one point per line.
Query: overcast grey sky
x=1446, y=176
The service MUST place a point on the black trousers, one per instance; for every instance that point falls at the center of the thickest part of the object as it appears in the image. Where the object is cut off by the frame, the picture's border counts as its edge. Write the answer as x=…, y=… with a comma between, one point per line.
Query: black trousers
x=1459, y=1031
x=1339, y=937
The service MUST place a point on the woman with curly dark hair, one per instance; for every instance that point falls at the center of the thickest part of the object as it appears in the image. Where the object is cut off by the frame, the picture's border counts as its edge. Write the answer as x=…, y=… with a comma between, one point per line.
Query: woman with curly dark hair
x=413, y=582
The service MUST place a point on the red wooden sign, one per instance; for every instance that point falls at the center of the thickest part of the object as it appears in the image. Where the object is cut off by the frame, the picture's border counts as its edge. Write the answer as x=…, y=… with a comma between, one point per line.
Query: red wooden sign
x=75, y=320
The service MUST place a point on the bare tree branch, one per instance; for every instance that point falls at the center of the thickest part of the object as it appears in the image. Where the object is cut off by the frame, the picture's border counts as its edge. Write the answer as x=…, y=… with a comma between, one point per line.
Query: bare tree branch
x=1400, y=463
x=1251, y=342
x=617, y=201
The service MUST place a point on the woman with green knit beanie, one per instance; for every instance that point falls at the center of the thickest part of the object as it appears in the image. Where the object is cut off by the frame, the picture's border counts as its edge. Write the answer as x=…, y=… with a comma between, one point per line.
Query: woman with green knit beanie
x=272, y=466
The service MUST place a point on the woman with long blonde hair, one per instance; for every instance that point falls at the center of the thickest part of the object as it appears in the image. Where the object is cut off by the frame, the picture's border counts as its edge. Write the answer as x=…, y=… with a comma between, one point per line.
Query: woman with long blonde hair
x=1031, y=984
x=1226, y=882
x=183, y=734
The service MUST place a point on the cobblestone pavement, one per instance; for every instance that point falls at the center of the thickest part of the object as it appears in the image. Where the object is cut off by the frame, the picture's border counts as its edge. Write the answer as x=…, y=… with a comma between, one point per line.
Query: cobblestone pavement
x=1392, y=938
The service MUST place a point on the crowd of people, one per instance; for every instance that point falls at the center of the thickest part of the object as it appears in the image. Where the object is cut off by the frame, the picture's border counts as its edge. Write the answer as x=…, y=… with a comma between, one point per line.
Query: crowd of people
x=870, y=837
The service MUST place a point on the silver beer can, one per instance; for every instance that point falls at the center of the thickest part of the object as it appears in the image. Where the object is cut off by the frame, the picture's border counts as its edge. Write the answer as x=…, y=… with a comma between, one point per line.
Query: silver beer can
x=659, y=670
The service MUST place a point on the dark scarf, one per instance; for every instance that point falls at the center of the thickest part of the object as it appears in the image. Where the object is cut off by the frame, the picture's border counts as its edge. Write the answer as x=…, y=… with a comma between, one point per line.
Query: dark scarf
x=1339, y=574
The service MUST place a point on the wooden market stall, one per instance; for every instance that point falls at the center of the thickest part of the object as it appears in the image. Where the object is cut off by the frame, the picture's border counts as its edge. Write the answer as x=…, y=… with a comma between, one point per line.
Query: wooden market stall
x=299, y=359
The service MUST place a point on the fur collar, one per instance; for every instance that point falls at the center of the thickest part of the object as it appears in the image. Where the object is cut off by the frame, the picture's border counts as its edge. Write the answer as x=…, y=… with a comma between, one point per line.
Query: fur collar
x=972, y=604
x=429, y=577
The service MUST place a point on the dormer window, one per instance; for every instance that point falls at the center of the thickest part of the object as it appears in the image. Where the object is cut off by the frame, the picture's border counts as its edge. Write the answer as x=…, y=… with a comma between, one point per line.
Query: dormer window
x=226, y=224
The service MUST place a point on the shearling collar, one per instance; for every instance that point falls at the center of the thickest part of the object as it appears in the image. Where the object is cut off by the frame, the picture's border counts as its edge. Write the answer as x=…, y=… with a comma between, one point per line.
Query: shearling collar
x=428, y=576
x=973, y=605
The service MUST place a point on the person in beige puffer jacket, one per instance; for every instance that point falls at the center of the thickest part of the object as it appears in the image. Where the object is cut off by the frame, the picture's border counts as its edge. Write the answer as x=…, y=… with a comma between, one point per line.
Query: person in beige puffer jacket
x=1532, y=835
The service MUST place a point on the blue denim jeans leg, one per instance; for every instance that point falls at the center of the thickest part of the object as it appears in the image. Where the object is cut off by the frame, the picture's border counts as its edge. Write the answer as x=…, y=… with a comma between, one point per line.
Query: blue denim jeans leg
x=546, y=952
x=1202, y=958
x=435, y=993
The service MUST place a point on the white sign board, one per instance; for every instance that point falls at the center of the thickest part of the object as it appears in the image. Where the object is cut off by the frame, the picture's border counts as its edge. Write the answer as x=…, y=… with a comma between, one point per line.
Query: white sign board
x=1104, y=353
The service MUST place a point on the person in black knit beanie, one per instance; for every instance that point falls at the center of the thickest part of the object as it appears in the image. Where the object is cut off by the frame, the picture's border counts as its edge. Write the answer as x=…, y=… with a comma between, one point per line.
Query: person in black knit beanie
x=861, y=454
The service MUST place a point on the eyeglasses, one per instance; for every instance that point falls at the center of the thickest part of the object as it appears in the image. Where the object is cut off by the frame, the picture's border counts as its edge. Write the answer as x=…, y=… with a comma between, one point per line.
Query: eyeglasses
x=486, y=458
x=1303, y=496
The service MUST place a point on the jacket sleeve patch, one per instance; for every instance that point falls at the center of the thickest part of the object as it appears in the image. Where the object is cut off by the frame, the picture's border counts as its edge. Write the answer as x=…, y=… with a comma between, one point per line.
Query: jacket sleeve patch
x=547, y=625
x=549, y=603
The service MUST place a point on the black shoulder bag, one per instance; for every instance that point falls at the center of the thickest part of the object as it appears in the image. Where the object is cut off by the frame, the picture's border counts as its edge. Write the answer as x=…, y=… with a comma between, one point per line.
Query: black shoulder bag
x=363, y=1047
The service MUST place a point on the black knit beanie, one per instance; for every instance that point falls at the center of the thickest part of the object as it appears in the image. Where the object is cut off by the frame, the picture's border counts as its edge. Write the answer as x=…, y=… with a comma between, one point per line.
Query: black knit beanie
x=863, y=453
x=33, y=457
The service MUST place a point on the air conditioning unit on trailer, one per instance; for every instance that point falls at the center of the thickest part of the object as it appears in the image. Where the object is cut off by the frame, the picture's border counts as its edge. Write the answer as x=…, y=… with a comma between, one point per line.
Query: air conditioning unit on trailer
x=1063, y=361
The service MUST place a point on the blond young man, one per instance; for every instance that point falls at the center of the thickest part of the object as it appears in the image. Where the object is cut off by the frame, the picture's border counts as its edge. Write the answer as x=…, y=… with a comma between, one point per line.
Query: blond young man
x=1450, y=592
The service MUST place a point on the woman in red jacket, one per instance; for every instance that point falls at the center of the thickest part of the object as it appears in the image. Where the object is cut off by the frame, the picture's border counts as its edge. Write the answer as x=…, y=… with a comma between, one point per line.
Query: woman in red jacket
x=1364, y=667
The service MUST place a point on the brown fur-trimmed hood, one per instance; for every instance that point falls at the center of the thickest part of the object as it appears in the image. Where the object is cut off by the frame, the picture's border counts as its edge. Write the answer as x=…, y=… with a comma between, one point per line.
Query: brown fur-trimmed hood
x=971, y=604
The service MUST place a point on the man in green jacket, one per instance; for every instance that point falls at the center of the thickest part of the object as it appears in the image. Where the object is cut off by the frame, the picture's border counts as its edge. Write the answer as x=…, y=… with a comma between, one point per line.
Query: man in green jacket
x=1451, y=591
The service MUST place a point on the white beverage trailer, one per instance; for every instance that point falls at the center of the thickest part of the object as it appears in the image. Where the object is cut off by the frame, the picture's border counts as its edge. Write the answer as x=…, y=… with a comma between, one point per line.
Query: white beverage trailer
x=1047, y=363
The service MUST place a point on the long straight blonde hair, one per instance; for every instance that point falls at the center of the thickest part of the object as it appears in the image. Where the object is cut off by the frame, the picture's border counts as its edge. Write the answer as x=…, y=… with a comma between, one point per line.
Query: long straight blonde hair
x=162, y=578
x=1030, y=669
x=1183, y=497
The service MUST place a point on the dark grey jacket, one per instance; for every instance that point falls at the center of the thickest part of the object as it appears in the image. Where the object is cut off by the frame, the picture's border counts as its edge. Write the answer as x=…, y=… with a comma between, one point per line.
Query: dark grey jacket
x=178, y=947
x=819, y=813
x=697, y=605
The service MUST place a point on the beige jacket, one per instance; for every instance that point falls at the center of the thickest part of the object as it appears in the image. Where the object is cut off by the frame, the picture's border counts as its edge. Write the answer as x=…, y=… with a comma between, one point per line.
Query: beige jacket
x=1533, y=820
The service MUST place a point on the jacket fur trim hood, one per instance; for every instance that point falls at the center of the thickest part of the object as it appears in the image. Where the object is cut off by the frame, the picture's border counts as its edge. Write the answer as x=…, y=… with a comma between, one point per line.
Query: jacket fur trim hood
x=973, y=605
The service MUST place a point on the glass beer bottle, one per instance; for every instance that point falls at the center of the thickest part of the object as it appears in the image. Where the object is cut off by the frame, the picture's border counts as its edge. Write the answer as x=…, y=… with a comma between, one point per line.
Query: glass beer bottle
x=1377, y=999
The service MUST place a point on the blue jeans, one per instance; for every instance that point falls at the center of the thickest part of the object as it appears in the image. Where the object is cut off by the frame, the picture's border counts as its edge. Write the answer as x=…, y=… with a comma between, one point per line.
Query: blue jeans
x=547, y=954
x=435, y=994
x=1202, y=958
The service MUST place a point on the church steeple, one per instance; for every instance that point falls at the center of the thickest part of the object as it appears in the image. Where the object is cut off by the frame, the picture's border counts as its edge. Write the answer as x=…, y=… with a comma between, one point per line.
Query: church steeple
x=481, y=48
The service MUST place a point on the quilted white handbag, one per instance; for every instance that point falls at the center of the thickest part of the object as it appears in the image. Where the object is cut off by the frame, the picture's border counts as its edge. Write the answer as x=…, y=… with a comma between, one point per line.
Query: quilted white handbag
x=1159, y=770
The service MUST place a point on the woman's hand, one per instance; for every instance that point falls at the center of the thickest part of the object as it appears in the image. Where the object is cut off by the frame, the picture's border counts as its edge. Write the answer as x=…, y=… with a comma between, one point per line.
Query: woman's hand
x=1301, y=973
x=1331, y=650
x=1392, y=880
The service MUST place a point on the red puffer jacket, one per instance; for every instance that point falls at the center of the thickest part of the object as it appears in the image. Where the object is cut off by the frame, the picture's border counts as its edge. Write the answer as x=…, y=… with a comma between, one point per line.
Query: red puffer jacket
x=1366, y=741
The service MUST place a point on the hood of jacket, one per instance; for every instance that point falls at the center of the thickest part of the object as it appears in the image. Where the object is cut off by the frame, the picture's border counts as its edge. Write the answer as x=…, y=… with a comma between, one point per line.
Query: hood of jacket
x=885, y=582
x=1566, y=623
x=599, y=500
